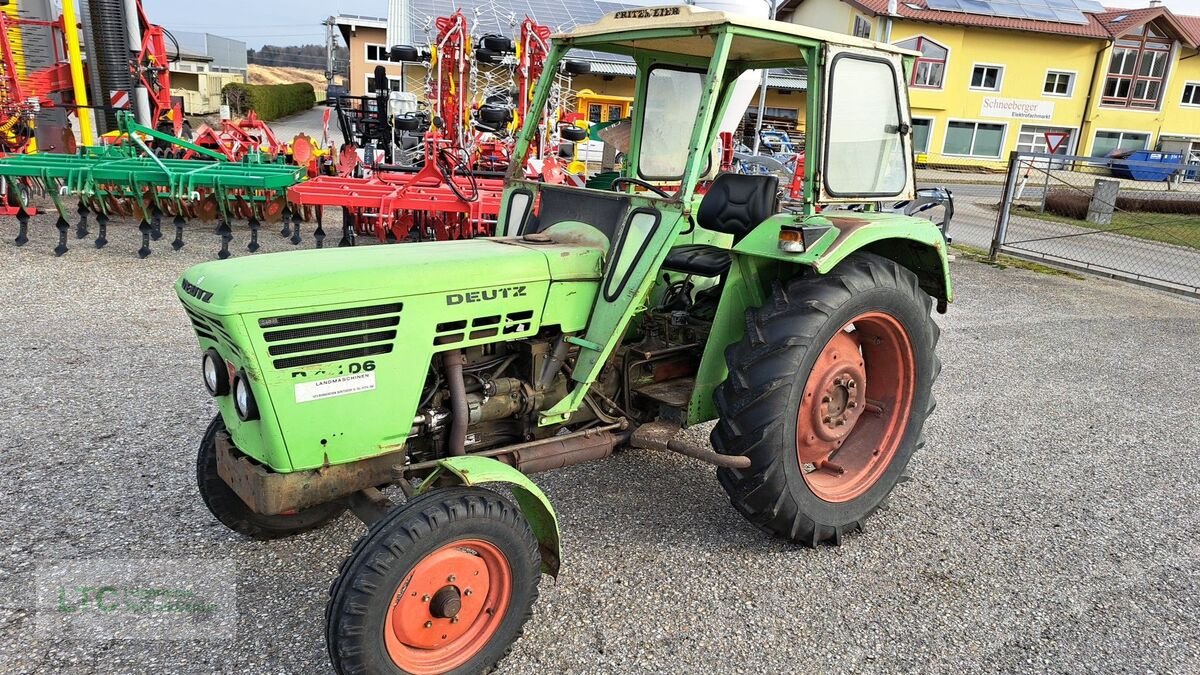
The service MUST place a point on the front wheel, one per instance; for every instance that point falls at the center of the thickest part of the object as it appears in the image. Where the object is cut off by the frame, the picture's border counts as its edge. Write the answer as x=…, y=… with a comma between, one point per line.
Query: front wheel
x=442, y=584
x=233, y=513
x=827, y=395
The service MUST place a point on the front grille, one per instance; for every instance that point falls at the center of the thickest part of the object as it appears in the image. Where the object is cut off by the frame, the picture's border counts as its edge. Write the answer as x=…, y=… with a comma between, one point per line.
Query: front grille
x=326, y=336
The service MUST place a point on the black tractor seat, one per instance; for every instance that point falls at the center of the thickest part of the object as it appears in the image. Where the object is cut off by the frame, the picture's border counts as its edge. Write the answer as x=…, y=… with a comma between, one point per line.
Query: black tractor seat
x=734, y=204
x=701, y=260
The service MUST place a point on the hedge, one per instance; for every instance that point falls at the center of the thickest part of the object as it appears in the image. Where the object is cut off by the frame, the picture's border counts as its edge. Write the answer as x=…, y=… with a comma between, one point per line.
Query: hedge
x=269, y=101
x=1073, y=203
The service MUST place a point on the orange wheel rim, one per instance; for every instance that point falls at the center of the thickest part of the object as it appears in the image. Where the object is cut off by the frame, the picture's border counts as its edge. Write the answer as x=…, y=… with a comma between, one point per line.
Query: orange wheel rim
x=855, y=407
x=448, y=607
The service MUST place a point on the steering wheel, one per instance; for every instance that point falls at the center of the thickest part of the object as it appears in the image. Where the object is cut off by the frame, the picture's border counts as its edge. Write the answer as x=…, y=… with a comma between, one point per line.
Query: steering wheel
x=641, y=183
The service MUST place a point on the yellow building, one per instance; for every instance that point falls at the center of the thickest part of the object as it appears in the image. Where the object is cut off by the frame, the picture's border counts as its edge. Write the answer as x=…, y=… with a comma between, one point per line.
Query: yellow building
x=1103, y=80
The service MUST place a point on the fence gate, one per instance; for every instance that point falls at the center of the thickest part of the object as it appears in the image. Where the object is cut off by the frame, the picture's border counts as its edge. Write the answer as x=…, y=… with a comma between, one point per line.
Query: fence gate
x=1132, y=220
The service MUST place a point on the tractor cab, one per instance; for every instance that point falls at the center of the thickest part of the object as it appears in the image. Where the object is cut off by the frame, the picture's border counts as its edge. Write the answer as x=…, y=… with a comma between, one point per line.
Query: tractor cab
x=673, y=217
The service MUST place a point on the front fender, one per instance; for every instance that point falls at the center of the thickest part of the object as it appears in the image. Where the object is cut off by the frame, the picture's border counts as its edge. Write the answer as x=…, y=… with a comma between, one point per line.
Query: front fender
x=534, y=504
x=915, y=243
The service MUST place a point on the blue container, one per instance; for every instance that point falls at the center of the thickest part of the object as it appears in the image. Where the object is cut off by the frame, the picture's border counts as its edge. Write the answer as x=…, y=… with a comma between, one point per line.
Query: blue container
x=1139, y=164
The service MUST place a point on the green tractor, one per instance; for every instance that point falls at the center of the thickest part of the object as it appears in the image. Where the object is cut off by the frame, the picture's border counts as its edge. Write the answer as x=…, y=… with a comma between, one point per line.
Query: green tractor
x=595, y=320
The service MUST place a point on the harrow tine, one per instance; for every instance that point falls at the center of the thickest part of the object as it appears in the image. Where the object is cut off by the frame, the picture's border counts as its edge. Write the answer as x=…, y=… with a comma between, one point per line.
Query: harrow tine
x=286, y=231
x=146, y=229
x=254, y=224
x=102, y=225
x=81, y=228
x=62, y=226
x=179, y=222
x=295, y=229
x=226, y=233
x=23, y=230
x=319, y=233
x=155, y=222
x=347, y=229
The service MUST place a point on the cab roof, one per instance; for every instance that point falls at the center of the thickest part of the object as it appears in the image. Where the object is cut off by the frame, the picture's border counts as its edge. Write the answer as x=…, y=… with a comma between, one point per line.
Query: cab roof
x=758, y=39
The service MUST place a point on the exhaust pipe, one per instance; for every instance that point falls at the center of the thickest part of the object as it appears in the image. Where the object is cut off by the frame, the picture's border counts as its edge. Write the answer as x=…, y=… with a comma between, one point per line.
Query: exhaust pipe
x=557, y=453
x=459, y=411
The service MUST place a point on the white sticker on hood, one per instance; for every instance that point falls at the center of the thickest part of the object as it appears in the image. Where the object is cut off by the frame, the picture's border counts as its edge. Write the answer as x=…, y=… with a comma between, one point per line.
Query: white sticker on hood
x=337, y=386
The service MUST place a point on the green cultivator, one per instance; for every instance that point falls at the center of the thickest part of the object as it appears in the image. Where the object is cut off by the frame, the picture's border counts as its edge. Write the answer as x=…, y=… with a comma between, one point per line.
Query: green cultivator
x=134, y=179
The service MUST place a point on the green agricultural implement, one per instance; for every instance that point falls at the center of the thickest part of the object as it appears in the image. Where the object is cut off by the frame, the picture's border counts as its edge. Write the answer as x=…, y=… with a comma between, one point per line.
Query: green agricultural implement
x=398, y=382
x=140, y=178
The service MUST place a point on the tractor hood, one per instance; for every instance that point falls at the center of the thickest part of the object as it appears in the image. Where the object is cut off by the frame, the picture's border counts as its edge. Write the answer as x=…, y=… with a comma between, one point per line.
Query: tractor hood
x=312, y=278
x=319, y=334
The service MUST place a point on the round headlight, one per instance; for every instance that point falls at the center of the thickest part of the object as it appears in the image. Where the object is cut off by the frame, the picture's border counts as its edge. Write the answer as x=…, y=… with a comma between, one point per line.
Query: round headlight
x=243, y=399
x=216, y=376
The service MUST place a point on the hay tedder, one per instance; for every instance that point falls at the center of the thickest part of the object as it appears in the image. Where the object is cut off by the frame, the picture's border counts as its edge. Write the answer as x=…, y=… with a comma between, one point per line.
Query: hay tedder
x=477, y=98
x=400, y=382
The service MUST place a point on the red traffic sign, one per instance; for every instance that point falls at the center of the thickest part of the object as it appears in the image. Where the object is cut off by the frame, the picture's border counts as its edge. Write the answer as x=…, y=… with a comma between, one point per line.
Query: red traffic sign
x=1055, y=140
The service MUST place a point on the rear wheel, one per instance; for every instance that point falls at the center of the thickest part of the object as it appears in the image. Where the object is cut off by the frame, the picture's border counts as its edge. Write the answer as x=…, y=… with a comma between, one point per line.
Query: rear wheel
x=233, y=513
x=444, y=583
x=827, y=395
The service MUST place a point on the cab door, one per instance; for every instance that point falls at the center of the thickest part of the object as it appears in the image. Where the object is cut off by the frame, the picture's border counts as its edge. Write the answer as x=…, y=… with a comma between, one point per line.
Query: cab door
x=866, y=144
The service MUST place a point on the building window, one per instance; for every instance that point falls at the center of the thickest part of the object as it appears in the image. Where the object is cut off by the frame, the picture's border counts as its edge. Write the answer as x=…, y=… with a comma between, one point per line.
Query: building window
x=595, y=113
x=921, y=128
x=1059, y=83
x=615, y=112
x=394, y=84
x=378, y=53
x=1191, y=93
x=930, y=68
x=1033, y=139
x=1108, y=143
x=862, y=27
x=1137, y=71
x=986, y=77
x=974, y=139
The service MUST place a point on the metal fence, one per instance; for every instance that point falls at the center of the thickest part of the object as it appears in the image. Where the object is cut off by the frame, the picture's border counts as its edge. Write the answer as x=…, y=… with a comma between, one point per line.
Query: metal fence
x=1132, y=220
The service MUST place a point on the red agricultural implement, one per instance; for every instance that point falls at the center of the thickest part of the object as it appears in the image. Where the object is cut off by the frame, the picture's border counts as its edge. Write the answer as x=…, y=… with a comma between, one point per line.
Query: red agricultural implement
x=455, y=192
x=237, y=139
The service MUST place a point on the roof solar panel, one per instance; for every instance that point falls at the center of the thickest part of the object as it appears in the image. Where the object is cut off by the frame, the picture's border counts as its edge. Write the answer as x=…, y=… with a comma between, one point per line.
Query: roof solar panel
x=975, y=6
x=1070, y=16
x=1040, y=12
x=1061, y=11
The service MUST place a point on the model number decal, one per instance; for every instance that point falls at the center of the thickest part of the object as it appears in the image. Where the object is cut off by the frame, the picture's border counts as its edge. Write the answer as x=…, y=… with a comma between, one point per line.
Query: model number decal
x=352, y=368
x=489, y=294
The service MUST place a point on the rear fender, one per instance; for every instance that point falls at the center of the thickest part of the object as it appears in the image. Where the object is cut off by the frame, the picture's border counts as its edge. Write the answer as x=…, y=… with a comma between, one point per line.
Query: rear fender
x=534, y=504
x=915, y=243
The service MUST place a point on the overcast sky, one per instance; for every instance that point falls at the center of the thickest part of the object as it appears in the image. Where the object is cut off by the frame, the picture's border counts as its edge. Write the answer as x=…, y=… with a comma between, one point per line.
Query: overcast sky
x=296, y=22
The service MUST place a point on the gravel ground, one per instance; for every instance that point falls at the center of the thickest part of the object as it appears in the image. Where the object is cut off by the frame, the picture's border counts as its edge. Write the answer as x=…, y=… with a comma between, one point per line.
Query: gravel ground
x=1050, y=525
